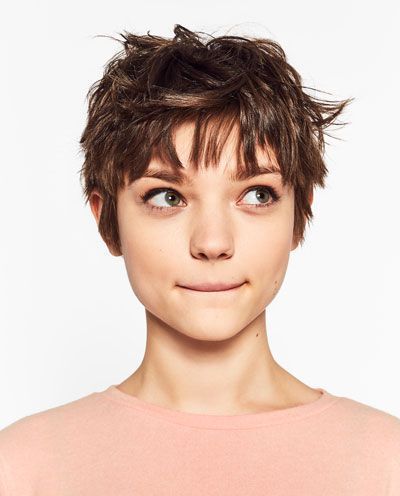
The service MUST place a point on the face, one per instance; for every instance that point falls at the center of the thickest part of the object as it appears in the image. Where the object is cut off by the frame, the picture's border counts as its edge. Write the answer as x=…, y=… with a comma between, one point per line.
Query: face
x=209, y=230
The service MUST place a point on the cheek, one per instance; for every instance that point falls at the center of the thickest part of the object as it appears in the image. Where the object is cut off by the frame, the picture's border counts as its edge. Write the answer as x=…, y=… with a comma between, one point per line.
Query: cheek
x=149, y=259
x=269, y=258
x=268, y=253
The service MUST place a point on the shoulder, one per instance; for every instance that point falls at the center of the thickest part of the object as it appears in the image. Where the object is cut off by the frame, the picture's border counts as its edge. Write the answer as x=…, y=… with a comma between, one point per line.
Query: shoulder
x=34, y=433
x=369, y=426
x=368, y=414
x=37, y=423
x=30, y=446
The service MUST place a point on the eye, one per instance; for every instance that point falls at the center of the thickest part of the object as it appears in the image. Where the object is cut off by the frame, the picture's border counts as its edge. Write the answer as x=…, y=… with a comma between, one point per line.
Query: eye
x=169, y=195
x=266, y=194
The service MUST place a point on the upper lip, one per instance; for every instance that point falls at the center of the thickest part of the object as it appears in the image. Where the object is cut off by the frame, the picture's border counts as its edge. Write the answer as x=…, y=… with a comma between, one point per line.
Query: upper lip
x=211, y=286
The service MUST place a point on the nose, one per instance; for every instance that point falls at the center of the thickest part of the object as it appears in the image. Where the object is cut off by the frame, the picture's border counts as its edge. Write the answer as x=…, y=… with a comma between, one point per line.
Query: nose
x=212, y=238
x=211, y=251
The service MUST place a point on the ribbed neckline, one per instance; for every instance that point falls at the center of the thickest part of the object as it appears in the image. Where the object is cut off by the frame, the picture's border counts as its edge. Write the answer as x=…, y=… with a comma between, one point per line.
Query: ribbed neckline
x=246, y=420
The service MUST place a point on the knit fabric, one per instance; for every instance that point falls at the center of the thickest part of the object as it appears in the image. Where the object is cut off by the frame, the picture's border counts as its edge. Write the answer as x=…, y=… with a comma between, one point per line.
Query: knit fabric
x=110, y=443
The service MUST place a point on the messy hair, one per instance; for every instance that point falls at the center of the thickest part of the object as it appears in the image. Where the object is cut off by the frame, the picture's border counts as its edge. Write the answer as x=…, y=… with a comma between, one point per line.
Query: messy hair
x=155, y=84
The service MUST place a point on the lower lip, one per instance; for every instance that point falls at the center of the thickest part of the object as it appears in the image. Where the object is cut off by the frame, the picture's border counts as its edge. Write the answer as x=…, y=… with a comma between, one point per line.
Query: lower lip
x=231, y=290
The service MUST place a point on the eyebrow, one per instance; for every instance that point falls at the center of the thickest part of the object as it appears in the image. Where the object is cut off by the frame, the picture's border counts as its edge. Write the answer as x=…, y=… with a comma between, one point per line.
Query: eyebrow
x=179, y=178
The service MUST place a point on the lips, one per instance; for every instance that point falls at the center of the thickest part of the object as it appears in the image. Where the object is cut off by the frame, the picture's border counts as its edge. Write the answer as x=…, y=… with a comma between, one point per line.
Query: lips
x=216, y=286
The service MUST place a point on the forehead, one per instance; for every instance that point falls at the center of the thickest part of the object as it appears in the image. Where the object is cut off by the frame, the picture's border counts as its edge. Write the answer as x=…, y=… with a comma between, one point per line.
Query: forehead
x=227, y=163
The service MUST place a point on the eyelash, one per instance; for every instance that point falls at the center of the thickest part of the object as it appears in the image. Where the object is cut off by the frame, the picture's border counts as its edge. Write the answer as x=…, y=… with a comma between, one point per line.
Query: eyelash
x=152, y=192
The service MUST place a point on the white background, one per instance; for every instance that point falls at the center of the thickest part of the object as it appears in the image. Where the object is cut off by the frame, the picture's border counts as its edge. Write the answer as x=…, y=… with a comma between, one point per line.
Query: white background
x=70, y=323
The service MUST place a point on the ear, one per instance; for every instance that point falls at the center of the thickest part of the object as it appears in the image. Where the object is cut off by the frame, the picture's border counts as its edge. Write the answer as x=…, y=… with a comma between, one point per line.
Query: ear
x=96, y=204
x=295, y=240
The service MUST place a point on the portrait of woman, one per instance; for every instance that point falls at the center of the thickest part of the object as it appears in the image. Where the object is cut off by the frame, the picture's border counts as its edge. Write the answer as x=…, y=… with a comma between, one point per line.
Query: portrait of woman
x=202, y=155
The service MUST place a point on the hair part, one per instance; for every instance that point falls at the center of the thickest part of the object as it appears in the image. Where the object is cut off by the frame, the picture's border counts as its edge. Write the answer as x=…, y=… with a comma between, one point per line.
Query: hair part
x=155, y=84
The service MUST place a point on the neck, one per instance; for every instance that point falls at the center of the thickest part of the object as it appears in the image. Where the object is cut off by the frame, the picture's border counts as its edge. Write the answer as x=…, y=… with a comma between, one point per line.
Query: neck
x=233, y=376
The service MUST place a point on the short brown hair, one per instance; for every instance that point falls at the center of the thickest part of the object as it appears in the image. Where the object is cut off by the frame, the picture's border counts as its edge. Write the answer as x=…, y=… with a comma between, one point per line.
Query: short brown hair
x=155, y=84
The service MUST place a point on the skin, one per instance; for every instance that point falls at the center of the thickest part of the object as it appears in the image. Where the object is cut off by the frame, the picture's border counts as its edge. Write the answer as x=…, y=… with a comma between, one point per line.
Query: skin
x=208, y=352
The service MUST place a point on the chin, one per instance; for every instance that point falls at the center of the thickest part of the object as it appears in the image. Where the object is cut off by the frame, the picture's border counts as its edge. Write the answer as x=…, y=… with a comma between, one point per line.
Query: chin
x=208, y=332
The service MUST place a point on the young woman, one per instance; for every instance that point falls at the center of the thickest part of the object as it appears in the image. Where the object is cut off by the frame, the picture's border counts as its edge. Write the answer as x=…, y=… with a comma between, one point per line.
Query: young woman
x=201, y=157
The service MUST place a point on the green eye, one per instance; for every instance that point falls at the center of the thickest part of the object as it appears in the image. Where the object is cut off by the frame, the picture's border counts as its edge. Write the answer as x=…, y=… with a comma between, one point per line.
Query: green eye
x=169, y=195
x=262, y=194
x=266, y=195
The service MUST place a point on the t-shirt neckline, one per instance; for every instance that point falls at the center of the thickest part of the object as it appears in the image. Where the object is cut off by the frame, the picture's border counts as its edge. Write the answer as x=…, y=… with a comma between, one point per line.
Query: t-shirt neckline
x=245, y=420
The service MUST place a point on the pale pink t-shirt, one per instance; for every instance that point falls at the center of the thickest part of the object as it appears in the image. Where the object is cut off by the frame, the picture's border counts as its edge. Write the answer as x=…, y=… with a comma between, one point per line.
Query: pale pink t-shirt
x=109, y=443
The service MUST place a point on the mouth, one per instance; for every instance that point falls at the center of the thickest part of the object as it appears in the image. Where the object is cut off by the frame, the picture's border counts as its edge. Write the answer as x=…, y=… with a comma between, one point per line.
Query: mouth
x=213, y=288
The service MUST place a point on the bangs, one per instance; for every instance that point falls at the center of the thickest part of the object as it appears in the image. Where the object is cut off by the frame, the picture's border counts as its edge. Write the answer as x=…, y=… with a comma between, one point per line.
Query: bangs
x=209, y=134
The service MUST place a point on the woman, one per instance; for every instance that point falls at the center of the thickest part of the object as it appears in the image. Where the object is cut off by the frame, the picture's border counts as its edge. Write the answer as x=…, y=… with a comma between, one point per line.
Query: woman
x=200, y=163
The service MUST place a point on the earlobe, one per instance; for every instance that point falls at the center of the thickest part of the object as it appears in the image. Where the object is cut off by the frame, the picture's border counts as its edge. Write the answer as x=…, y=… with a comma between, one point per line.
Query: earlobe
x=96, y=204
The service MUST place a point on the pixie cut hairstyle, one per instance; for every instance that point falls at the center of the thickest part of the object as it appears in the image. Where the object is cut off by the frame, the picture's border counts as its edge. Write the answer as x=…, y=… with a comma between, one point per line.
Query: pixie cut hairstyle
x=155, y=84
